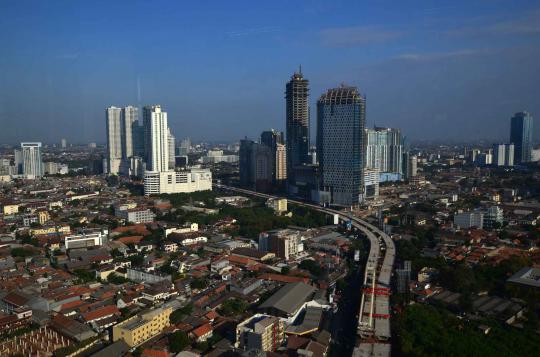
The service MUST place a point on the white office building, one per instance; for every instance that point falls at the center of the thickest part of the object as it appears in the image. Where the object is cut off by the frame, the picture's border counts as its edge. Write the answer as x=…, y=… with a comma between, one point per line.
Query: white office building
x=371, y=183
x=86, y=240
x=156, y=183
x=156, y=139
x=32, y=164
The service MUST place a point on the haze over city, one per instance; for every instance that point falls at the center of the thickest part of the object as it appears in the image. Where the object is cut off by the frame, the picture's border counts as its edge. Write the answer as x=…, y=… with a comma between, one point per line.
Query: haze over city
x=450, y=70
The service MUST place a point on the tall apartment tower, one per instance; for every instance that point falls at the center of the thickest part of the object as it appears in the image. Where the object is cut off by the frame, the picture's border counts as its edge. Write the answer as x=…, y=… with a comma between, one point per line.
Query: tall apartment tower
x=255, y=165
x=274, y=140
x=171, y=144
x=521, y=131
x=156, y=141
x=297, y=113
x=503, y=154
x=130, y=120
x=114, y=139
x=341, y=120
x=120, y=126
x=32, y=164
x=384, y=150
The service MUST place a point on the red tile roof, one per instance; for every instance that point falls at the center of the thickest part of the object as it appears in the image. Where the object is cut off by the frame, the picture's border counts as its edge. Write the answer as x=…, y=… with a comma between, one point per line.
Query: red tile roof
x=202, y=330
x=101, y=313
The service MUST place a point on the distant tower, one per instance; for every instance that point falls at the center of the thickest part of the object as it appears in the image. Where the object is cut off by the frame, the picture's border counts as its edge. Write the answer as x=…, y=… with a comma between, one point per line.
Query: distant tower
x=521, y=130
x=156, y=141
x=63, y=143
x=274, y=140
x=130, y=120
x=341, y=119
x=114, y=139
x=297, y=125
x=171, y=144
x=32, y=164
x=120, y=123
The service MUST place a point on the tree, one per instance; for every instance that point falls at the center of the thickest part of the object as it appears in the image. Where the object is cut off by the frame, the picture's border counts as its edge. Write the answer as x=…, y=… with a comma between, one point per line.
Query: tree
x=178, y=341
x=233, y=307
x=198, y=284
x=178, y=314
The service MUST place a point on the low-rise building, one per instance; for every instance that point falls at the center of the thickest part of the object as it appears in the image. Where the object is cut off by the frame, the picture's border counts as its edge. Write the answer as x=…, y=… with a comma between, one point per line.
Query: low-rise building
x=136, y=215
x=156, y=183
x=142, y=327
x=86, y=239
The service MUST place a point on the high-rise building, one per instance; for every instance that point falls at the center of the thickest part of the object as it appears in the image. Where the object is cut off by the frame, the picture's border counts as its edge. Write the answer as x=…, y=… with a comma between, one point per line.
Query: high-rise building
x=156, y=141
x=18, y=161
x=297, y=125
x=509, y=155
x=32, y=164
x=521, y=131
x=281, y=163
x=384, y=150
x=274, y=140
x=185, y=147
x=341, y=118
x=114, y=139
x=413, y=165
x=120, y=123
x=503, y=154
x=171, y=143
x=255, y=165
x=137, y=134
x=63, y=143
x=130, y=119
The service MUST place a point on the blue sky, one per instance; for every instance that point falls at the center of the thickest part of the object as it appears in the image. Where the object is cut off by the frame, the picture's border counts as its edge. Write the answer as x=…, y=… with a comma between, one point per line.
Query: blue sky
x=437, y=69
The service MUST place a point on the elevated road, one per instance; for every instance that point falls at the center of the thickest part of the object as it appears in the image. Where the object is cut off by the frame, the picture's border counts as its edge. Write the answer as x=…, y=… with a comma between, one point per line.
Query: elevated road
x=374, y=319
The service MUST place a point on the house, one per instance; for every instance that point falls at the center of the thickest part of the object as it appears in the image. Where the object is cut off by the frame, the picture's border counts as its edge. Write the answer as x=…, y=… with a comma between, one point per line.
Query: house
x=202, y=333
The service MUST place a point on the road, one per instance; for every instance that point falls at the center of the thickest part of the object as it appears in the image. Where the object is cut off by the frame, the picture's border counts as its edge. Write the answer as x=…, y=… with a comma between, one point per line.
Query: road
x=372, y=294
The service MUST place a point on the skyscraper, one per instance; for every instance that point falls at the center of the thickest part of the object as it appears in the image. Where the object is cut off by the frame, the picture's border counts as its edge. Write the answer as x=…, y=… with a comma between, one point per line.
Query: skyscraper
x=274, y=140
x=297, y=113
x=32, y=164
x=120, y=124
x=503, y=154
x=63, y=143
x=156, y=141
x=384, y=150
x=521, y=129
x=114, y=139
x=255, y=165
x=171, y=144
x=130, y=119
x=341, y=118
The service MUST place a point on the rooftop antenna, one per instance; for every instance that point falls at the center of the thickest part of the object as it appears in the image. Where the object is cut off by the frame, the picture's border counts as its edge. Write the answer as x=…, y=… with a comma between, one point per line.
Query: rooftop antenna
x=300, y=70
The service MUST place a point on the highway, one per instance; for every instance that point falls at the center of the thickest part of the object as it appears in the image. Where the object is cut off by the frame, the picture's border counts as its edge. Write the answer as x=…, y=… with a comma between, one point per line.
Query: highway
x=373, y=328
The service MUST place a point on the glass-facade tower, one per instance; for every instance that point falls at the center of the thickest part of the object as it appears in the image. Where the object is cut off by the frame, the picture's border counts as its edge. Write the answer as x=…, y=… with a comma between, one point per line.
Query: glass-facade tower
x=521, y=129
x=341, y=120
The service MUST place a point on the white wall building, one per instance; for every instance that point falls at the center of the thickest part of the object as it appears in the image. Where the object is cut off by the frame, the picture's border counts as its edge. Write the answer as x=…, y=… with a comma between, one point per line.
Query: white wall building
x=84, y=240
x=32, y=164
x=156, y=140
x=156, y=183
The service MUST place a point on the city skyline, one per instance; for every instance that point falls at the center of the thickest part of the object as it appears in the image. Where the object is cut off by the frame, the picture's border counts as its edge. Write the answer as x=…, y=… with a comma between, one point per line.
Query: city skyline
x=430, y=68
